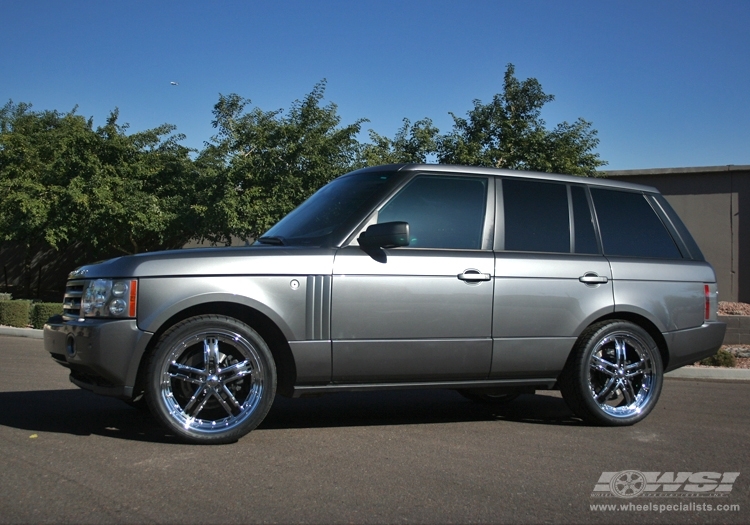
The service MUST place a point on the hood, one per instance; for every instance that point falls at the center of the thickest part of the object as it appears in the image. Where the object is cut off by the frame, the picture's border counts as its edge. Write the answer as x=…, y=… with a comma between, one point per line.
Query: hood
x=250, y=260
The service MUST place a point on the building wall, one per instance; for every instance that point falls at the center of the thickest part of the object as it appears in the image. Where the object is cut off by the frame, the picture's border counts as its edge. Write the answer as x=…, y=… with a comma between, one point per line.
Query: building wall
x=711, y=202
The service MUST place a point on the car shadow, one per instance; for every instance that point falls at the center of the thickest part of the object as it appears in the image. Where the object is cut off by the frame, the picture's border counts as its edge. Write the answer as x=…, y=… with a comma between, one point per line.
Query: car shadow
x=411, y=407
x=82, y=413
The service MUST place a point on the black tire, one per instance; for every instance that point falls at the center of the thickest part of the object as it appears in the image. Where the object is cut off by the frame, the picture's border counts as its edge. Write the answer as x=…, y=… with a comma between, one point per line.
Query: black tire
x=488, y=396
x=614, y=374
x=211, y=379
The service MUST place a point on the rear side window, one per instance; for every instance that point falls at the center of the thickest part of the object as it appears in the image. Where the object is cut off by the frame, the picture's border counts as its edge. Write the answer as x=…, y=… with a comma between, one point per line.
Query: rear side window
x=630, y=227
x=536, y=216
x=442, y=212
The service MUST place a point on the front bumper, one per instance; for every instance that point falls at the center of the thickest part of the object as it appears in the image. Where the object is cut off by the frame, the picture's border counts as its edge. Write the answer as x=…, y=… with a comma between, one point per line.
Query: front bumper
x=103, y=355
x=688, y=346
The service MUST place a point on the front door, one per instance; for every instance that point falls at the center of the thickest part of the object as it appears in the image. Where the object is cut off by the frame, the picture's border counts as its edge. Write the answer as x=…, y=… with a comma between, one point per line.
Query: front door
x=422, y=312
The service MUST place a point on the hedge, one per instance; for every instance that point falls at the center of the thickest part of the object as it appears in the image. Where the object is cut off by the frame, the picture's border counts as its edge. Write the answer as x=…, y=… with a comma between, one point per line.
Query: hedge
x=40, y=312
x=15, y=313
x=22, y=313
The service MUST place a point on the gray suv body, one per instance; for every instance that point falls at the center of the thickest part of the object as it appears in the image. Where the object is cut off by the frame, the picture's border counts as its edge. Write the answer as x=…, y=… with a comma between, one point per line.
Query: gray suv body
x=490, y=282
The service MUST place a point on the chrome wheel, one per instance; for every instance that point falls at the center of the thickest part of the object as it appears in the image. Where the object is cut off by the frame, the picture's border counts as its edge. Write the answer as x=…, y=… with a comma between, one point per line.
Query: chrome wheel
x=212, y=379
x=621, y=374
x=613, y=375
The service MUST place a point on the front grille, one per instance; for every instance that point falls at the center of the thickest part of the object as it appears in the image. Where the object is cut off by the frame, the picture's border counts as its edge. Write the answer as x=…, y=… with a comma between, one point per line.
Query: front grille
x=72, y=301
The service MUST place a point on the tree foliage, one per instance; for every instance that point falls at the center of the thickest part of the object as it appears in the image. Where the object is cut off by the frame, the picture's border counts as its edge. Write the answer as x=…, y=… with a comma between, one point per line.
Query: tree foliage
x=262, y=164
x=508, y=132
x=62, y=181
x=413, y=143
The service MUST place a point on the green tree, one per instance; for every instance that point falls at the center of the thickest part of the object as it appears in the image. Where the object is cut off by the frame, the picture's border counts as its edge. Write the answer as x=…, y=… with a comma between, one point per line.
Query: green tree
x=413, y=143
x=63, y=182
x=29, y=189
x=262, y=164
x=508, y=132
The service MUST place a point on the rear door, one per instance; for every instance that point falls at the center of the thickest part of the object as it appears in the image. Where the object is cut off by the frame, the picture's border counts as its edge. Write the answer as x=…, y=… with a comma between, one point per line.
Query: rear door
x=551, y=279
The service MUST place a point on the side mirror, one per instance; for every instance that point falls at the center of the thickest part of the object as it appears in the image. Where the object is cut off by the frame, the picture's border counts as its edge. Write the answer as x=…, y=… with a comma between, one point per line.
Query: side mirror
x=385, y=235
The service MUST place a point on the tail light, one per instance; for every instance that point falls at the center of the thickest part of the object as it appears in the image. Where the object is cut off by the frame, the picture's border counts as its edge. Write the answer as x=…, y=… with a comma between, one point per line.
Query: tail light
x=711, y=301
x=707, y=311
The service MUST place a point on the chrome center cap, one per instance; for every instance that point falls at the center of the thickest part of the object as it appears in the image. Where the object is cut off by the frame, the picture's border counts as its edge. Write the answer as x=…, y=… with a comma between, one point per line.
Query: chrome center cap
x=213, y=381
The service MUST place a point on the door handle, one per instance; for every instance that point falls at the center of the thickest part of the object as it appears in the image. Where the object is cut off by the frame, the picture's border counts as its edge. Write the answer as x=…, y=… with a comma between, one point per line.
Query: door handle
x=592, y=278
x=474, y=276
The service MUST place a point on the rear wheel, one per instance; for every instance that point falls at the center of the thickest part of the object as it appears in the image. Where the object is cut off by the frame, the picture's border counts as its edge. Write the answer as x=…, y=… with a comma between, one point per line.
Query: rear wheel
x=211, y=379
x=614, y=375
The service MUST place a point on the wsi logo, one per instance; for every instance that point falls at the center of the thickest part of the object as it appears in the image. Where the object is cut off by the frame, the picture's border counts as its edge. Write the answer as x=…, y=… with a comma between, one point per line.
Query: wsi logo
x=633, y=483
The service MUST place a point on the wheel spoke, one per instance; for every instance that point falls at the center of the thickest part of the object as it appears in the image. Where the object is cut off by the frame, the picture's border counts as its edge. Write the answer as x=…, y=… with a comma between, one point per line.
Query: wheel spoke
x=235, y=372
x=201, y=405
x=187, y=379
x=609, y=386
x=231, y=397
x=626, y=387
x=193, y=399
x=211, y=353
x=223, y=402
x=187, y=369
x=602, y=365
x=620, y=350
x=635, y=369
x=186, y=373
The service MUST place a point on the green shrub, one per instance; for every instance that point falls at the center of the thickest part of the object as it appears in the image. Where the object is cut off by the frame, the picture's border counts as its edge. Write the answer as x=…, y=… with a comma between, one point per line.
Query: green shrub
x=5, y=297
x=721, y=358
x=40, y=312
x=15, y=313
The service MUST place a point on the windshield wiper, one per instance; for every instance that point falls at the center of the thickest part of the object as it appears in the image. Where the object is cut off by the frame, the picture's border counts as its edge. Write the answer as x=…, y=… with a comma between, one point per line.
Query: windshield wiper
x=276, y=241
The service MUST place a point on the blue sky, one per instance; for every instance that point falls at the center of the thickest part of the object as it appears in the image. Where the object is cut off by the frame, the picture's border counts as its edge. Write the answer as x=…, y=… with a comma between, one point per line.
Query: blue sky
x=666, y=83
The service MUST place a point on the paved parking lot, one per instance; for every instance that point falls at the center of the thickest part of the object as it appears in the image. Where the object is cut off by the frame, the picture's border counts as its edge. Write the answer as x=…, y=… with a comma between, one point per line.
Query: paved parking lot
x=386, y=457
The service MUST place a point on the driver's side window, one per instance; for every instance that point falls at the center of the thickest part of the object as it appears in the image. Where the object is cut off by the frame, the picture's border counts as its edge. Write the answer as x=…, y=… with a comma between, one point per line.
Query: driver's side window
x=442, y=212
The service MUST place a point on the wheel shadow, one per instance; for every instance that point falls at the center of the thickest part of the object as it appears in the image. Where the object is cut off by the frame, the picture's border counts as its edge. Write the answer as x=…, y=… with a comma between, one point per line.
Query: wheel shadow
x=81, y=413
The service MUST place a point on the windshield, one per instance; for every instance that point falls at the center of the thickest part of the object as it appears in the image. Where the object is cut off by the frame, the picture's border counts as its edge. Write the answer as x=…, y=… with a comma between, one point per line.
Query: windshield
x=332, y=206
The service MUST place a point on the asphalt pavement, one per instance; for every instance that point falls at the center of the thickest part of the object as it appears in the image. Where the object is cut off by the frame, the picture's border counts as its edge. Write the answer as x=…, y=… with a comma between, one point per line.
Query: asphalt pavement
x=69, y=456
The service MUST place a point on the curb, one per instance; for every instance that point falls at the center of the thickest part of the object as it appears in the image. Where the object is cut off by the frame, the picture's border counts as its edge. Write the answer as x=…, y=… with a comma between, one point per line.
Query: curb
x=700, y=372
x=687, y=372
x=22, y=332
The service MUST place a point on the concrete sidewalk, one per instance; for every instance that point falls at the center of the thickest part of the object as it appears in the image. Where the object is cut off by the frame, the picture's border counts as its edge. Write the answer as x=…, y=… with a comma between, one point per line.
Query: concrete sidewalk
x=687, y=372
x=22, y=332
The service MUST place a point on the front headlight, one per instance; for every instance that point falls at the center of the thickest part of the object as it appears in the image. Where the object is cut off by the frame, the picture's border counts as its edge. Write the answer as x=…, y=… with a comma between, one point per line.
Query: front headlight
x=109, y=298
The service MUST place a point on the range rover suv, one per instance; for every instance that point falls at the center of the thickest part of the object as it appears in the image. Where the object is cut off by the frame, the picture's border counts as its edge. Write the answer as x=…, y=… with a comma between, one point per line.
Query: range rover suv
x=490, y=282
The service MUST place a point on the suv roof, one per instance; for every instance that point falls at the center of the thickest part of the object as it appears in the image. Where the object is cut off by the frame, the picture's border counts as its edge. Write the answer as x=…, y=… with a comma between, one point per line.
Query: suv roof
x=477, y=170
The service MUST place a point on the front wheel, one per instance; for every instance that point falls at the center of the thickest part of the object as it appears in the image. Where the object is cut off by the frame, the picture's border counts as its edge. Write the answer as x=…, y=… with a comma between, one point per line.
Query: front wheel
x=211, y=379
x=614, y=375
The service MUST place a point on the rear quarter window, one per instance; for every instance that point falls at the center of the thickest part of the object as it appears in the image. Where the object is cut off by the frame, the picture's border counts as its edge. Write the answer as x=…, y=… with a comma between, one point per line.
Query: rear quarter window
x=630, y=227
